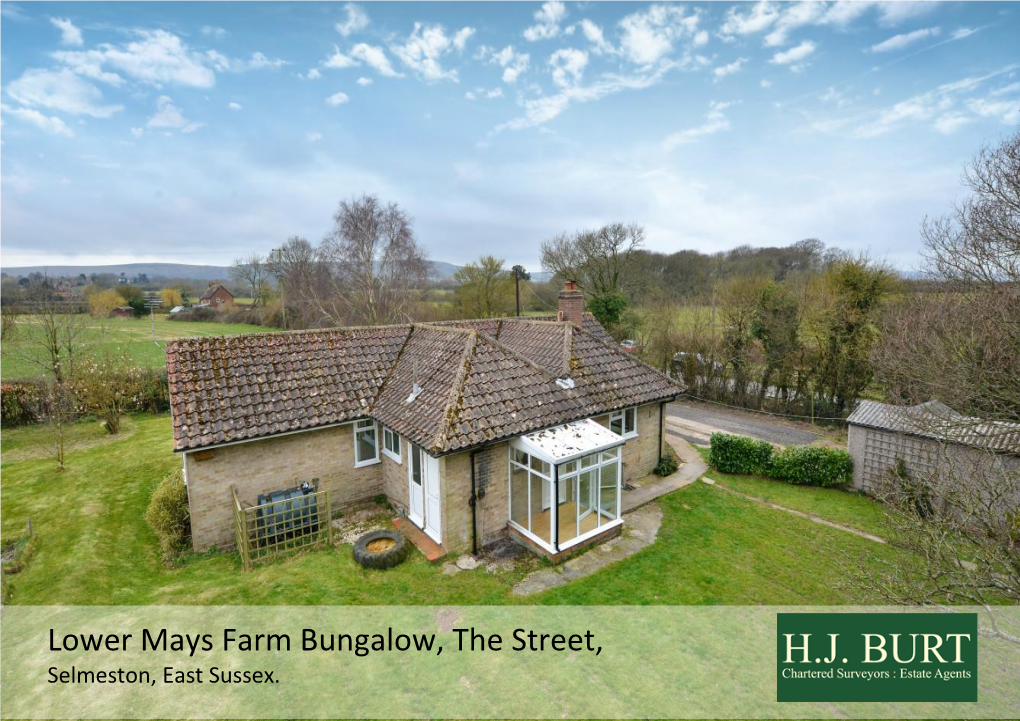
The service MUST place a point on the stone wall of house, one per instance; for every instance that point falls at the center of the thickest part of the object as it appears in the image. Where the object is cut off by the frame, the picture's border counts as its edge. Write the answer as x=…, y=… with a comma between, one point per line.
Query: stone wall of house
x=269, y=465
x=640, y=454
x=875, y=453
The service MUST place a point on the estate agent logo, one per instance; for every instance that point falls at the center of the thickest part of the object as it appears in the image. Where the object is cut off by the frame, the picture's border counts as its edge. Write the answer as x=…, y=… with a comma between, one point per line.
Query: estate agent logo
x=876, y=657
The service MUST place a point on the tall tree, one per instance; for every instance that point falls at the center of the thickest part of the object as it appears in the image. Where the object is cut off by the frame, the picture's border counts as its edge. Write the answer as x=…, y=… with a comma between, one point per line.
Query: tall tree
x=375, y=269
x=597, y=259
x=298, y=274
x=253, y=272
x=775, y=325
x=486, y=290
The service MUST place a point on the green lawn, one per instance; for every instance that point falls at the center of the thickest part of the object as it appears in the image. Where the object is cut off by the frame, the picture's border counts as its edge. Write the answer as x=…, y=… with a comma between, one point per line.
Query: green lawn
x=95, y=548
x=133, y=335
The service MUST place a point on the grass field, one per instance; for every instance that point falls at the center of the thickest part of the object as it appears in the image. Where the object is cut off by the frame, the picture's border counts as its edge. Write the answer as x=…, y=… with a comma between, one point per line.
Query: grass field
x=95, y=548
x=133, y=335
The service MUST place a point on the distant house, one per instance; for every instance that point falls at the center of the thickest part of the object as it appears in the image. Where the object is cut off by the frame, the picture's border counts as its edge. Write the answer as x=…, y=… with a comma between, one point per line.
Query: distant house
x=927, y=437
x=216, y=296
x=123, y=311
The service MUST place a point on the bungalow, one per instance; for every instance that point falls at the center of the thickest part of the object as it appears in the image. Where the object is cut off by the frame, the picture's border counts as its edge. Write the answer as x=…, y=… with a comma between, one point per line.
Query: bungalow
x=216, y=296
x=472, y=429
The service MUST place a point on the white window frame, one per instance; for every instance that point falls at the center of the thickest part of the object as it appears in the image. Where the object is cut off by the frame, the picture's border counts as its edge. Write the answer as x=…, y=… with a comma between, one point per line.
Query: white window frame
x=364, y=426
x=621, y=415
x=397, y=456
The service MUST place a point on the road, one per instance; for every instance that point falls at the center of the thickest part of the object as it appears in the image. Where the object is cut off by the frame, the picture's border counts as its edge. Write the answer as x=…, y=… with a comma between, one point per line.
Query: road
x=695, y=422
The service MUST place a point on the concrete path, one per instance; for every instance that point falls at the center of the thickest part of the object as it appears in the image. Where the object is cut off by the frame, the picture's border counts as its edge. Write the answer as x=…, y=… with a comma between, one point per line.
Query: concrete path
x=639, y=531
x=801, y=514
x=653, y=486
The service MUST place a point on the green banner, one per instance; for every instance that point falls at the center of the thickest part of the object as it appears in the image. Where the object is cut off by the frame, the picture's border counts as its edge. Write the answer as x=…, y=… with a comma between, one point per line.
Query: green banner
x=464, y=662
x=877, y=657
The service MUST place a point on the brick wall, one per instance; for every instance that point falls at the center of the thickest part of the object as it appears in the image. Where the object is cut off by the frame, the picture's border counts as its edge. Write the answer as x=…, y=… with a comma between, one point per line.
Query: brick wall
x=270, y=465
x=394, y=477
x=640, y=454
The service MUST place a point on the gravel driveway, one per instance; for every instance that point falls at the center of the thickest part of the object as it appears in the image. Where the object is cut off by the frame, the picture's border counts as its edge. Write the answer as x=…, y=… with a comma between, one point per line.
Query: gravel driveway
x=695, y=422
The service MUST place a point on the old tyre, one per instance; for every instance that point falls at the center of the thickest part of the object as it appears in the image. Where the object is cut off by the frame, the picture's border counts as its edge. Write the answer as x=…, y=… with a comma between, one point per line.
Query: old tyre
x=381, y=549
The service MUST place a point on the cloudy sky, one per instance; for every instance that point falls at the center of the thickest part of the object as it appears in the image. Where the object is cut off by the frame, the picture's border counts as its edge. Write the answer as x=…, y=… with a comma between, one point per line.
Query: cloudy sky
x=195, y=132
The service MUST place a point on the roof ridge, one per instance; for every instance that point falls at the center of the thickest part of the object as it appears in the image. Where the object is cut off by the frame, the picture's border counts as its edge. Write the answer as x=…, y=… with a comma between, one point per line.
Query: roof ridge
x=456, y=390
x=287, y=333
x=568, y=348
x=392, y=369
x=510, y=351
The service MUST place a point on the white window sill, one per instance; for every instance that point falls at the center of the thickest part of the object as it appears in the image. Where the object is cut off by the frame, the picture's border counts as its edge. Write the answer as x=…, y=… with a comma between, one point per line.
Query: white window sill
x=628, y=436
x=394, y=457
x=371, y=462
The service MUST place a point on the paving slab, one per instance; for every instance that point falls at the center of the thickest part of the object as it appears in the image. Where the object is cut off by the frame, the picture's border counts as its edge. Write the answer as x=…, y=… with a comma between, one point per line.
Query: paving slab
x=692, y=467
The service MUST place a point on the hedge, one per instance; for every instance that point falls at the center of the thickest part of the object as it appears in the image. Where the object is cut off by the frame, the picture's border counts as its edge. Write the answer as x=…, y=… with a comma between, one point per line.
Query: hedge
x=23, y=401
x=169, y=516
x=805, y=465
x=813, y=466
x=738, y=454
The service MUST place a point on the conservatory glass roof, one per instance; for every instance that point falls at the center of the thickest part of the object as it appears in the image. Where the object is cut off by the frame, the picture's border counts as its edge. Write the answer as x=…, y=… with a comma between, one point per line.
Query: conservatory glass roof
x=569, y=441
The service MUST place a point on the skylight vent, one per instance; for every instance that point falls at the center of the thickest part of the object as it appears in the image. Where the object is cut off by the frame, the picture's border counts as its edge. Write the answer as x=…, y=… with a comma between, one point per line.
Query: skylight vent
x=415, y=390
x=565, y=383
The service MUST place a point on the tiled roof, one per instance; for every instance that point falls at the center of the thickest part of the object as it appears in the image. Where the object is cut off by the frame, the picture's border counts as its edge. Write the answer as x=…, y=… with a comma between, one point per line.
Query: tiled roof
x=211, y=290
x=479, y=381
x=936, y=420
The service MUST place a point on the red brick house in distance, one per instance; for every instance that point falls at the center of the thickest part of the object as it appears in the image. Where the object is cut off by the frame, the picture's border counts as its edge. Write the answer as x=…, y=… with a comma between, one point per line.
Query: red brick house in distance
x=472, y=429
x=216, y=296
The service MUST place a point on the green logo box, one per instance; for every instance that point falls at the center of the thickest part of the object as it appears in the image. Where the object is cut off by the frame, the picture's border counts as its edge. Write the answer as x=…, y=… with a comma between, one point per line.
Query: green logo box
x=876, y=657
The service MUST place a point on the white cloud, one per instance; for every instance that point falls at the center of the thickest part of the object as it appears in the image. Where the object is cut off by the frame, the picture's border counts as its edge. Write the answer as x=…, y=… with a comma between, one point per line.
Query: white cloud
x=568, y=66
x=313, y=74
x=951, y=122
x=313, y=137
x=1005, y=111
x=363, y=82
x=765, y=83
x=898, y=42
x=158, y=57
x=541, y=110
x=356, y=20
x=715, y=122
x=723, y=70
x=512, y=62
x=479, y=93
x=60, y=90
x=893, y=12
x=170, y=117
x=701, y=38
x=1005, y=89
x=961, y=33
x=235, y=106
x=138, y=132
x=259, y=61
x=594, y=35
x=547, y=21
x=760, y=17
x=69, y=34
x=211, y=31
x=337, y=99
x=51, y=124
x=375, y=57
x=337, y=61
x=782, y=19
x=649, y=35
x=793, y=55
x=426, y=45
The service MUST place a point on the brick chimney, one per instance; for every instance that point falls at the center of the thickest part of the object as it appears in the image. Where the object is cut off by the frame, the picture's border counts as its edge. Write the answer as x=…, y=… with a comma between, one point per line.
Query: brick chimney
x=571, y=304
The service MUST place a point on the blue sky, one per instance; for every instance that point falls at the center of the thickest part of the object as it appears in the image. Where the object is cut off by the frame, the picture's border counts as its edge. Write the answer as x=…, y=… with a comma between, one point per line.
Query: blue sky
x=196, y=132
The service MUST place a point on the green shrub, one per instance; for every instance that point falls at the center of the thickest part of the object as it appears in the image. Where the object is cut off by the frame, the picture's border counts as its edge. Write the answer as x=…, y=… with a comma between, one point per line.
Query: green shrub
x=21, y=402
x=169, y=516
x=737, y=454
x=813, y=466
x=667, y=466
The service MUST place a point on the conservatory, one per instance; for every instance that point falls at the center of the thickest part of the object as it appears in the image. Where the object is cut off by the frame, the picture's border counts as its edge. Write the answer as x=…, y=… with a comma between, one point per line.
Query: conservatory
x=577, y=464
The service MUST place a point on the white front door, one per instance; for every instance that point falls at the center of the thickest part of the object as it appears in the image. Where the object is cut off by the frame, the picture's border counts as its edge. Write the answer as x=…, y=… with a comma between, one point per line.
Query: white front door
x=416, y=486
x=433, y=499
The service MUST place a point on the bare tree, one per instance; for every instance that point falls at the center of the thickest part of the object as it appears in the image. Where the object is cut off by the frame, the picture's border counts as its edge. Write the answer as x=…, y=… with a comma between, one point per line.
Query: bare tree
x=298, y=274
x=54, y=407
x=53, y=336
x=597, y=259
x=979, y=240
x=959, y=516
x=486, y=290
x=253, y=271
x=375, y=269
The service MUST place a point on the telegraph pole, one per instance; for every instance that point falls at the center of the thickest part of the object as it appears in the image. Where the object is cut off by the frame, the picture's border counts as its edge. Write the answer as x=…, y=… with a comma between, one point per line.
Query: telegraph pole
x=517, y=290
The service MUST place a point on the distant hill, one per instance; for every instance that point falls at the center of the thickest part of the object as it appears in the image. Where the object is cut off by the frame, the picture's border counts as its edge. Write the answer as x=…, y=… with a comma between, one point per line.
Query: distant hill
x=441, y=269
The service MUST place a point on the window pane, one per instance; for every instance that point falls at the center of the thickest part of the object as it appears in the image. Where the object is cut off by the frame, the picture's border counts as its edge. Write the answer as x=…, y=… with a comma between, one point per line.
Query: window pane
x=630, y=420
x=416, y=465
x=366, y=446
x=519, y=496
x=539, y=465
x=520, y=456
x=616, y=424
x=568, y=468
x=608, y=494
x=590, y=460
x=541, y=495
x=610, y=453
